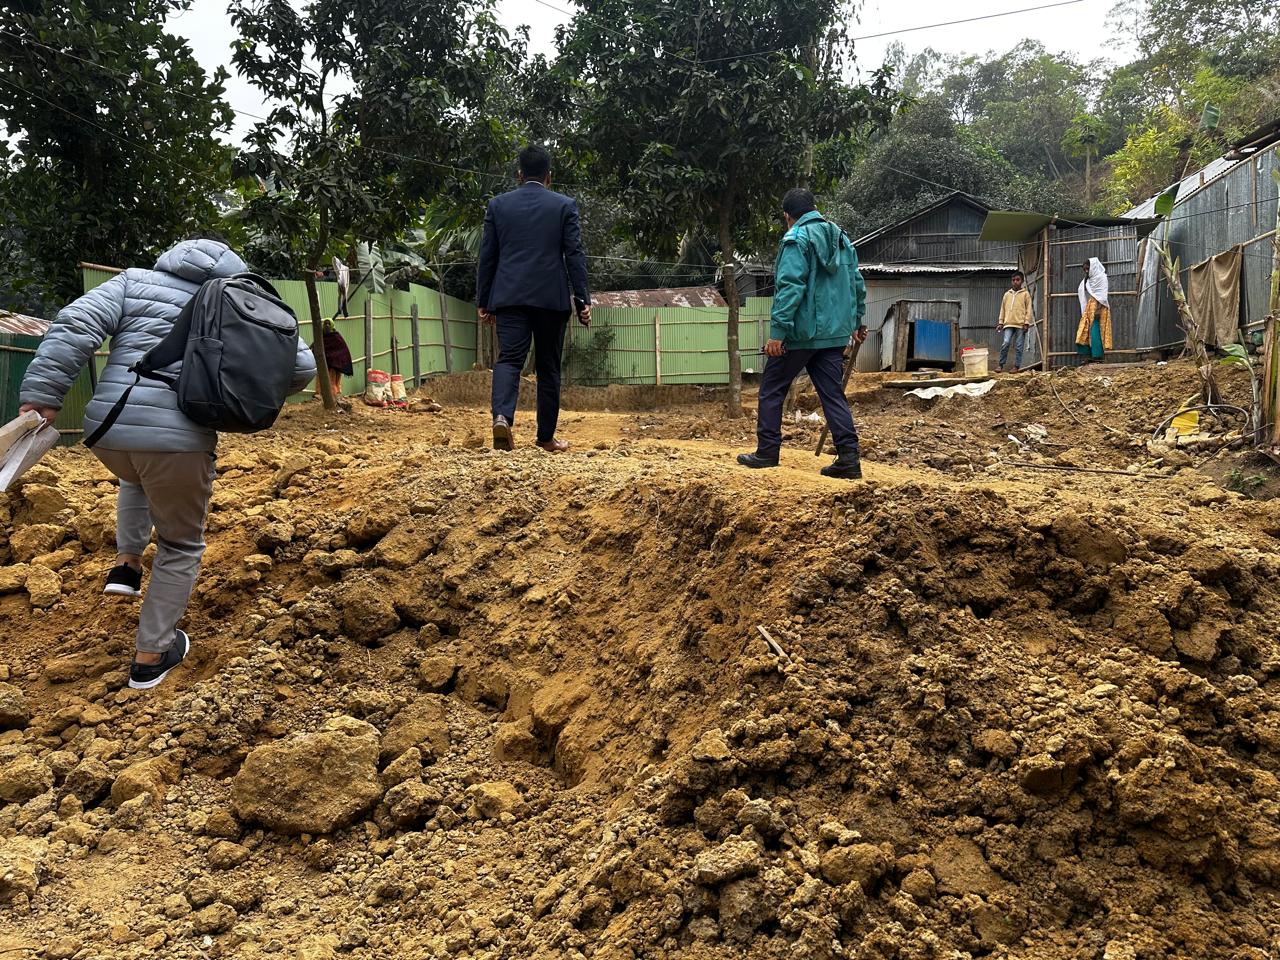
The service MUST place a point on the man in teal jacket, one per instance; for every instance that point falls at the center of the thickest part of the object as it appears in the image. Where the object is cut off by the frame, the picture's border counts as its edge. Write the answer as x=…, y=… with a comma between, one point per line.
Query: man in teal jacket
x=818, y=303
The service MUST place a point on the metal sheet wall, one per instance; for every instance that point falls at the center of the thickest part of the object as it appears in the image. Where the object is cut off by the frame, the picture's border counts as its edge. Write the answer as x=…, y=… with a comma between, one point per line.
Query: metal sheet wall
x=1237, y=208
x=947, y=235
x=1069, y=249
x=979, y=296
x=692, y=341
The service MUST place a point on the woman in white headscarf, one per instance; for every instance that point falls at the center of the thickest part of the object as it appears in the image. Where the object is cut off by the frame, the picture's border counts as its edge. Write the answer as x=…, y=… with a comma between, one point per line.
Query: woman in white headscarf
x=1093, y=337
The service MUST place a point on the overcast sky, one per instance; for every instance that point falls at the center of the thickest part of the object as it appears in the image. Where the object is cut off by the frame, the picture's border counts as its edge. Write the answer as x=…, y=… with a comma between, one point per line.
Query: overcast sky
x=1079, y=28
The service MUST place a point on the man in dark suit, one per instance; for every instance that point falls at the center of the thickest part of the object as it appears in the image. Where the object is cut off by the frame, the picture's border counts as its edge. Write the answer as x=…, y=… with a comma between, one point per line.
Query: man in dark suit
x=530, y=256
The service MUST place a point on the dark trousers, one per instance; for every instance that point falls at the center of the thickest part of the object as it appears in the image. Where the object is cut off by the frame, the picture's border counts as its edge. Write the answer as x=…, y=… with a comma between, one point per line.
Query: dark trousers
x=826, y=370
x=518, y=327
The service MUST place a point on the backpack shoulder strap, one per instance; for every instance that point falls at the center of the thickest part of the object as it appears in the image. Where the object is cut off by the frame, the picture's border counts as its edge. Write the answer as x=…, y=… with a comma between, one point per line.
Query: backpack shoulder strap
x=113, y=414
x=172, y=348
x=169, y=350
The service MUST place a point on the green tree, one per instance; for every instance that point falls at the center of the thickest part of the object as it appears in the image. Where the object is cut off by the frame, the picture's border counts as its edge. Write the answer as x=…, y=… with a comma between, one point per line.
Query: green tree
x=698, y=114
x=924, y=155
x=1084, y=137
x=1023, y=102
x=377, y=100
x=114, y=151
x=1170, y=142
x=1174, y=38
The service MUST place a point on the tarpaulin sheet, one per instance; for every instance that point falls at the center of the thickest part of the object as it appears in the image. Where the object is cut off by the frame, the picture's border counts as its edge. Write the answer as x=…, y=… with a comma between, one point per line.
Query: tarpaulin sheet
x=1213, y=292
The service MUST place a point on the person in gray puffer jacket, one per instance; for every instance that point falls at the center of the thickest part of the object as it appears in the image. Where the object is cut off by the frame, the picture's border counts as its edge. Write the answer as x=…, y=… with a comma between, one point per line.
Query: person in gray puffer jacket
x=164, y=461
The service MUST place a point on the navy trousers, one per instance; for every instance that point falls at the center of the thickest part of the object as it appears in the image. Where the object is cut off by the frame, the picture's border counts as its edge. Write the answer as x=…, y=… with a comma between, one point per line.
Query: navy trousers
x=826, y=370
x=518, y=327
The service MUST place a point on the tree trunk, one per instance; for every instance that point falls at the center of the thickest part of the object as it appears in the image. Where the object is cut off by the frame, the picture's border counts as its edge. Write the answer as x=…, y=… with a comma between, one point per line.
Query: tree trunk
x=323, y=384
x=731, y=297
x=1088, y=176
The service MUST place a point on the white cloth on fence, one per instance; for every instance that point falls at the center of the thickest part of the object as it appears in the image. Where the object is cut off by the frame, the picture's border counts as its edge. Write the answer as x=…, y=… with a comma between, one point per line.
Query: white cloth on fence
x=1096, y=285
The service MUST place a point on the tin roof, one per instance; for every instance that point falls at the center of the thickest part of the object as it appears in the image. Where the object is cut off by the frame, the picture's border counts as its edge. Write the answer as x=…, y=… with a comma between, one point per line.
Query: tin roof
x=953, y=197
x=897, y=268
x=660, y=297
x=17, y=323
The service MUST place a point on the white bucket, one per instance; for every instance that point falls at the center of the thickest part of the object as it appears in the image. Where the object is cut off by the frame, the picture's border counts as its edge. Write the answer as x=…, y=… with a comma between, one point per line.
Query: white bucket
x=975, y=361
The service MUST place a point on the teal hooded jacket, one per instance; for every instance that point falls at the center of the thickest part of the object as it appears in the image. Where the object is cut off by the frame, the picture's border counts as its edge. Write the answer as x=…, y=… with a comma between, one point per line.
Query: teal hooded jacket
x=819, y=295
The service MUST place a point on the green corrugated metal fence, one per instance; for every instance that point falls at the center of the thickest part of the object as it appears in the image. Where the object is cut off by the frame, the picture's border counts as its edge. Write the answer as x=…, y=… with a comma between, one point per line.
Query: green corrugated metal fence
x=16, y=354
x=670, y=345
x=391, y=316
x=689, y=343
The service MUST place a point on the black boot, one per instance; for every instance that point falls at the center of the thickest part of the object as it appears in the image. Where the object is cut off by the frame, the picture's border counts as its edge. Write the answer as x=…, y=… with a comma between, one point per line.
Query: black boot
x=848, y=465
x=756, y=462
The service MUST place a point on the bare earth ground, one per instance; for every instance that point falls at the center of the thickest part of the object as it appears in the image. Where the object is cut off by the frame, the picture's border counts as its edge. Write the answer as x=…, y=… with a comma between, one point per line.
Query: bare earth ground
x=449, y=703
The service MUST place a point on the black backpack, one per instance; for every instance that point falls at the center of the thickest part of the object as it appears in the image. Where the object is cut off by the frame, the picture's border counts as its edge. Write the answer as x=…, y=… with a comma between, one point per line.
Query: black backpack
x=238, y=343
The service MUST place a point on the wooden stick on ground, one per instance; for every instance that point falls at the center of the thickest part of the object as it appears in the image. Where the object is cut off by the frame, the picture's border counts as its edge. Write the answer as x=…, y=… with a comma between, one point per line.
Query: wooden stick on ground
x=849, y=364
x=1054, y=466
x=772, y=644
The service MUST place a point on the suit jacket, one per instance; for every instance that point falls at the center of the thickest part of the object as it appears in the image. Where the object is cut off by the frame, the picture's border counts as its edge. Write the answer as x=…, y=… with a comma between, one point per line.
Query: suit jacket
x=531, y=251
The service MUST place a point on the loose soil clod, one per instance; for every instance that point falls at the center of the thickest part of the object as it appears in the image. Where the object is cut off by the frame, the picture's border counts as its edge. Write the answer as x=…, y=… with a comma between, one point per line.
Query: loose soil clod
x=1008, y=714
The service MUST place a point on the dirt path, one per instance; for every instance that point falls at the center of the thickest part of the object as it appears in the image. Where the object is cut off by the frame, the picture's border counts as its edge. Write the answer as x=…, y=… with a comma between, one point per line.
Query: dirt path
x=450, y=703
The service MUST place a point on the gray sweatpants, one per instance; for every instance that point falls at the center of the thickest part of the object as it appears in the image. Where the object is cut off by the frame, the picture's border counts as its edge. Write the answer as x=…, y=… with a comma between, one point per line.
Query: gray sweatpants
x=169, y=491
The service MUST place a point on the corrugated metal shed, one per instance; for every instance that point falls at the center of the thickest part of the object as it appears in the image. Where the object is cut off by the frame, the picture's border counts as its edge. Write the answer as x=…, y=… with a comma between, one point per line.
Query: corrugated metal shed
x=1236, y=206
x=660, y=297
x=937, y=254
x=978, y=292
x=1003, y=269
x=19, y=324
x=948, y=231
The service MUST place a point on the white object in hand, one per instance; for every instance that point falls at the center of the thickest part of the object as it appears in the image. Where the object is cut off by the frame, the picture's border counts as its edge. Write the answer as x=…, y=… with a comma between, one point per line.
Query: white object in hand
x=23, y=441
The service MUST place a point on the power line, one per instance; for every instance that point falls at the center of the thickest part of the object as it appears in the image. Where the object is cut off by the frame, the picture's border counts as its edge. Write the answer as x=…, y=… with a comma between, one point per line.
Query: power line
x=894, y=33
x=584, y=186
x=600, y=22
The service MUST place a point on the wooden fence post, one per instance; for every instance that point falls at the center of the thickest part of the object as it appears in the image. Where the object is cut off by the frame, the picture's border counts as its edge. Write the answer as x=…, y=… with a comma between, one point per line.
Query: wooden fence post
x=657, y=350
x=1046, y=343
x=368, y=339
x=415, y=340
x=444, y=327
x=395, y=343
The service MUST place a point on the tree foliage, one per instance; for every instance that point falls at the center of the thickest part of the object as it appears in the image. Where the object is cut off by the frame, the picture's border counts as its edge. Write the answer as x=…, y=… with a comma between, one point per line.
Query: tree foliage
x=925, y=155
x=376, y=100
x=698, y=114
x=1058, y=134
x=114, y=151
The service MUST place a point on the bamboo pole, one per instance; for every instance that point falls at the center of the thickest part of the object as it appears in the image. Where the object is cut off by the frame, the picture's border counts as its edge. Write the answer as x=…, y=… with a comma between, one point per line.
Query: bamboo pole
x=368, y=339
x=414, y=339
x=1271, y=349
x=444, y=326
x=1046, y=343
x=395, y=342
x=657, y=349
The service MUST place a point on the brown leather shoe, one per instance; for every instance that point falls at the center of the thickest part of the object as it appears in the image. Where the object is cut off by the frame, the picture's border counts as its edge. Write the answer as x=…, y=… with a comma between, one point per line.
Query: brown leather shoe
x=502, y=434
x=554, y=446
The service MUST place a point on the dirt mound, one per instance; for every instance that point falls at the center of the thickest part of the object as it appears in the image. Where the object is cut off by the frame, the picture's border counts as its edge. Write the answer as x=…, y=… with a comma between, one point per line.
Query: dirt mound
x=1014, y=715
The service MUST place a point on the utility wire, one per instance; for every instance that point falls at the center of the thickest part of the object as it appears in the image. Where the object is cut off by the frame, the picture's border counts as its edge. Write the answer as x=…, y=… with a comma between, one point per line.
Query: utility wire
x=587, y=186
x=894, y=33
x=598, y=187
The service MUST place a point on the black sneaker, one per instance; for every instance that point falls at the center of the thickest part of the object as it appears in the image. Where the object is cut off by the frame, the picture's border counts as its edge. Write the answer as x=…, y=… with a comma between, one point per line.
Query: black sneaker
x=124, y=581
x=144, y=676
x=757, y=462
